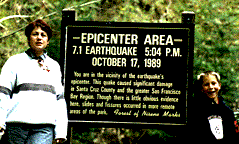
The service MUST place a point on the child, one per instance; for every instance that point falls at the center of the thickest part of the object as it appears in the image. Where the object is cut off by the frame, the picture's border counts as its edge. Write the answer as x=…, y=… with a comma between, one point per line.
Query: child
x=212, y=119
x=209, y=84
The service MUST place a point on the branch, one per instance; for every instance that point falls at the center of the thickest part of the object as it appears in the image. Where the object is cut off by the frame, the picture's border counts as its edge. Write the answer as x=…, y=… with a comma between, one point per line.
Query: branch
x=142, y=134
x=82, y=4
x=12, y=16
x=9, y=17
x=2, y=3
x=22, y=16
x=48, y=15
x=167, y=9
x=3, y=26
x=71, y=8
x=13, y=32
x=18, y=11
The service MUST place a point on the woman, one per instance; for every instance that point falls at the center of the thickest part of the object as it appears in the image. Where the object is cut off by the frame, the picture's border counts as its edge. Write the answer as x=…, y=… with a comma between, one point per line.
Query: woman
x=212, y=120
x=32, y=106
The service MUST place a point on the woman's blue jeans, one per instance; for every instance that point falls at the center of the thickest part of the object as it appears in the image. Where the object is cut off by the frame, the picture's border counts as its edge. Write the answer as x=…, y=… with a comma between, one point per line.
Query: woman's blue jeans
x=21, y=133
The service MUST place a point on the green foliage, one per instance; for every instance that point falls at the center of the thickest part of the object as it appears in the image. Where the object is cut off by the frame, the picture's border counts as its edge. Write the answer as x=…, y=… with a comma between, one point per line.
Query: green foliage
x=216, y=47
x=129, y=136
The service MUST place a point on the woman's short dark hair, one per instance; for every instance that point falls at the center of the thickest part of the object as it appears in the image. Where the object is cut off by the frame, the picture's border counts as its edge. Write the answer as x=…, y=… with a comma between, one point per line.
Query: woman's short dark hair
x=38, y=23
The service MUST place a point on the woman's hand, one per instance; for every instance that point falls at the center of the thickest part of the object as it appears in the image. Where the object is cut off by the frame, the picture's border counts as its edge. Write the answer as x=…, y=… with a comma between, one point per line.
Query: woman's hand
x=60, y=140
x=1, y=132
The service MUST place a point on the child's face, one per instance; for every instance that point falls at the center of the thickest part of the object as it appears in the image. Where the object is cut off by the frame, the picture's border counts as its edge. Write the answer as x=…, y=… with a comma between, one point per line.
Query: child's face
x=211, y=86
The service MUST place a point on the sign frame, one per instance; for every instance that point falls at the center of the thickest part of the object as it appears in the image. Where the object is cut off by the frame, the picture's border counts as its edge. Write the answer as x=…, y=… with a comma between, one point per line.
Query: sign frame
x=68, y=20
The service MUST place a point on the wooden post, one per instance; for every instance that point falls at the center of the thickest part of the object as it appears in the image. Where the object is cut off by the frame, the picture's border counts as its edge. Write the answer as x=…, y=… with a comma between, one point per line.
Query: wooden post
x=68, y=17
x=188, y=17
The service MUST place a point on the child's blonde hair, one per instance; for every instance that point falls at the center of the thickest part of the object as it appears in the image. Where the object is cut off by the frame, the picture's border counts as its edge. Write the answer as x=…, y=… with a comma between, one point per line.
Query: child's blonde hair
x=202, y=75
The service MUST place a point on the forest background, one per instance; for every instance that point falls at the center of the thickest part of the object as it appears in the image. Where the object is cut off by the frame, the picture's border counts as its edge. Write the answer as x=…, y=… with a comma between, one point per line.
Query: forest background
x=216, y=41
